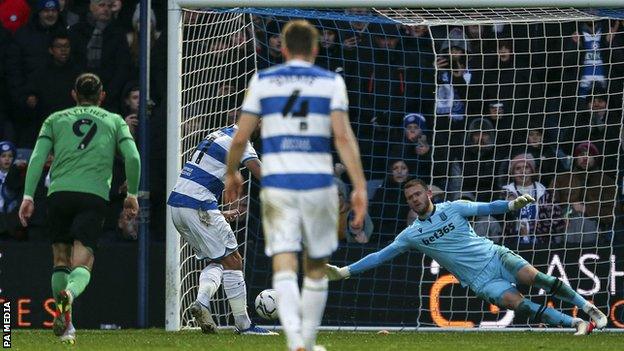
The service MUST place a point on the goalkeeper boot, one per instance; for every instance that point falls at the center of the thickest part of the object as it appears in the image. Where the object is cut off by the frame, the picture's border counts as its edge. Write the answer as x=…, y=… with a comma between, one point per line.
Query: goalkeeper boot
x=582, y=327
x=62, y=319
x=203, y=318
x=255, y=330
x=596, y=315
x=69, y=337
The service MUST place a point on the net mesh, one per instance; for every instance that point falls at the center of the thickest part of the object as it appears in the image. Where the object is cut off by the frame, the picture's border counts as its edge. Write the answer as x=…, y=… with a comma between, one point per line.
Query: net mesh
x=217, y=61
x=483, y=104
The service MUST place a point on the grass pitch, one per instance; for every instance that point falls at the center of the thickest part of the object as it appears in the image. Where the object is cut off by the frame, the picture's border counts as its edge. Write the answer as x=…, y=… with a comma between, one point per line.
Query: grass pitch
x=158, y=339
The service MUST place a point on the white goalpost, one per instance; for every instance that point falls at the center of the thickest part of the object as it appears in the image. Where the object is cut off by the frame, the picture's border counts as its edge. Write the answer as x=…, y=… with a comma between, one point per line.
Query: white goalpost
x=493, y=84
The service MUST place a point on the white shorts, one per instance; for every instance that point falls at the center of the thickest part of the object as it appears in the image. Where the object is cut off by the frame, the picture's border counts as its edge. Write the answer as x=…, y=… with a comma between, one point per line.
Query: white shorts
x=290, y=217
x=207, y=232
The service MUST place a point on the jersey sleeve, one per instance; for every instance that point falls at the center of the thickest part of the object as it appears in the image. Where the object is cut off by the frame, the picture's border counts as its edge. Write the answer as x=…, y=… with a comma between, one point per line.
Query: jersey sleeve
x=397, y=247
x=469, y=208
x=340, y=99
x=46, y=130
x=251, y=104
x=249, y=153
x=123, y=131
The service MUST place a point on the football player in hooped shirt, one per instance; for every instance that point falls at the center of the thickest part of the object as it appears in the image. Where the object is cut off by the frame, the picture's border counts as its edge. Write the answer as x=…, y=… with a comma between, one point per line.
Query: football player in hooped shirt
x=443, y=233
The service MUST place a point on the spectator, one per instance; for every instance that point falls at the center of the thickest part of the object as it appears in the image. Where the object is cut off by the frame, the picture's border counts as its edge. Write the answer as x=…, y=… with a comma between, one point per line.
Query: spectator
x=330, y=53
x=130, y=106
x=534, y=223
x=415, y=149
x=13, y=14
x=506, y=79
x=459, y=93
x=133, y=36
x=11, y=188
x=48, y=89
x=67, y=16
x=346, y=231
x=384, y=78
x=600, y=125
x=388, y=208
x=5, y=129
x=587, y=57
x=419, y=71
x=100, y=46
x=549, y=159
x=587, y=191
x=29, y=50
x=272, y=54
x=476, y=169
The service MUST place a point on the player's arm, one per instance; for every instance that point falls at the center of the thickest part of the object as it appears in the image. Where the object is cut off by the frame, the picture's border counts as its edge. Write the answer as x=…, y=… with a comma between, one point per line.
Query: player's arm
x=469, y=208
x=132, y=161
x=254, y=165
x=398, y=246
x=247, y=123
x=33, y=173
x=348, y=150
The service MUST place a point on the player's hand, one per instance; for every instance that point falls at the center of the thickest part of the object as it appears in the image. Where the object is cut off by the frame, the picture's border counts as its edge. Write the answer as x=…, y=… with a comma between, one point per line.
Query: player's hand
x=233, y=187
x=336, y=273
x=520, y=202
x=359, y=204
x=26, y=210
x=130, y=207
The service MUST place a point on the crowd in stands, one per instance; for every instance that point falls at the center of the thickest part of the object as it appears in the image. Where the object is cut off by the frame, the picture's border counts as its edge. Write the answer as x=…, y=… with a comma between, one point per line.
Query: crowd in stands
x=44, y=46
x=481, y=112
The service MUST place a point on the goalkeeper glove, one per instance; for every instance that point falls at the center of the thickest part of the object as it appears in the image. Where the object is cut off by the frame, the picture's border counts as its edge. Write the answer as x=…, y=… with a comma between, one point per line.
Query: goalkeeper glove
x=337, y=273
x=520, y=202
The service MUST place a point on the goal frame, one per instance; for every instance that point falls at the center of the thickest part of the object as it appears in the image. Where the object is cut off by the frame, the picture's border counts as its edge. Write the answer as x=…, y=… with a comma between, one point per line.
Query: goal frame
x=174, y=55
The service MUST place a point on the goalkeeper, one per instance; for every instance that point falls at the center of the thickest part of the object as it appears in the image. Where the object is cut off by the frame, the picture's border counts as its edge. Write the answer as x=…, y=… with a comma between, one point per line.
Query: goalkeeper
x=491, y=271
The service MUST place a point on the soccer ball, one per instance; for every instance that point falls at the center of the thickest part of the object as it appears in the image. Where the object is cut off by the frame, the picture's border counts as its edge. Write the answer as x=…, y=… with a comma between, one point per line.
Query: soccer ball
x=266, y=304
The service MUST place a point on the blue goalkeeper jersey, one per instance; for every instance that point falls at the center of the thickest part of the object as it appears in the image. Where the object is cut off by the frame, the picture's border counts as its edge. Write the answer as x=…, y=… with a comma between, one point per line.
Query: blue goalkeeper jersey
x=445, y=236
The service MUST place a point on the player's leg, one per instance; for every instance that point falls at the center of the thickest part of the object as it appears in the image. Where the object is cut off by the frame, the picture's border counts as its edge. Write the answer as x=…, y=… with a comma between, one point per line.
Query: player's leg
x=531, y=276
x=197, y=229
x=236, y=292
x=62, y=262
x=60, y=218
x=281, y=221
x=320, y=221
x=313, y=299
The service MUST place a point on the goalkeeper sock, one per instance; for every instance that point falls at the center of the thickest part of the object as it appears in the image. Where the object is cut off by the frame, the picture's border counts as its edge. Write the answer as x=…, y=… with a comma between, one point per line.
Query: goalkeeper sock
x=288, y=306
x=209, y=282
x=78, y=280
x=313, y=299
x=236, y=292
x=60, y=275
x=562, y=291
x=541, y=313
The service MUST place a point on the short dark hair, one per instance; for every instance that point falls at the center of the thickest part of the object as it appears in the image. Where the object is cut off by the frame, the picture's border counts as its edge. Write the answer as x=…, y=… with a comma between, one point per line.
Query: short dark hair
x=415, y=181
x=300, y=37
x=58, y=35
x=88, y=87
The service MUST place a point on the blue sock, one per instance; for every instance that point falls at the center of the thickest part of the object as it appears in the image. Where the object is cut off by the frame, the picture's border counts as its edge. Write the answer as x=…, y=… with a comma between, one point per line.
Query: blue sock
x=556, y=287
x=541, y=313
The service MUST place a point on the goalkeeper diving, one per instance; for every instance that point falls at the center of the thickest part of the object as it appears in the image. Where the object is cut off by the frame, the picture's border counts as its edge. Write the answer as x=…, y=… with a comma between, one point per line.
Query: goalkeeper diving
x=492, y=271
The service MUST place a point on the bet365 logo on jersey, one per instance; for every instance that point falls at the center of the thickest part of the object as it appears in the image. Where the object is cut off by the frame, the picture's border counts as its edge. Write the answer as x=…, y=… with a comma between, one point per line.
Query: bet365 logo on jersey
x=438, y=234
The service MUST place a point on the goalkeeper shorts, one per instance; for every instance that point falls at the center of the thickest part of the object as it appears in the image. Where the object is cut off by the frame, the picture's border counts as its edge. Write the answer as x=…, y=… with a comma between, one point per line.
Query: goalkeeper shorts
x=207, y=232
x=498, y=276
x=291, y=217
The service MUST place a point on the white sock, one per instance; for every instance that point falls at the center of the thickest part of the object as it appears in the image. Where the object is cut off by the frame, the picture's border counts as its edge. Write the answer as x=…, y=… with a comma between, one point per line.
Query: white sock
x=313, y=299
x=209, y=281
x=236, y=292
x=288, y=306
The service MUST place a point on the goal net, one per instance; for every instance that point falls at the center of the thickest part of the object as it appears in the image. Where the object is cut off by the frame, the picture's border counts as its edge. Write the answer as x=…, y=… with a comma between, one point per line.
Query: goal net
x=482, y=104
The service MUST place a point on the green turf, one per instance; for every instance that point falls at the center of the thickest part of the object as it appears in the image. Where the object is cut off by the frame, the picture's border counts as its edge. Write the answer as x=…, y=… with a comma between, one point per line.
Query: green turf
x=157, y=339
